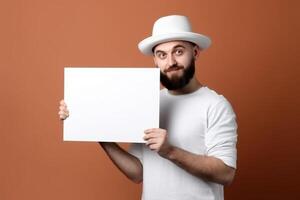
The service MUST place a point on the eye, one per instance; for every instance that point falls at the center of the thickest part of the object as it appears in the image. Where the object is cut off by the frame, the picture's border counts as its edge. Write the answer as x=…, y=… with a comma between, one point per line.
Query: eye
x=179, y=52
x=161, y=55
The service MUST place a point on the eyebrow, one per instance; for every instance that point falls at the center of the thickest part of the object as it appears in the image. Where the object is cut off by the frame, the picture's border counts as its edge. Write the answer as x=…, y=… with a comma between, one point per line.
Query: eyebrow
x=177, y=46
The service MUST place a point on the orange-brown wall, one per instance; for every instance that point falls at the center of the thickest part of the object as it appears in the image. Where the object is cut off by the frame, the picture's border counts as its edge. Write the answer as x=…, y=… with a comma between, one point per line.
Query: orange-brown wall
x=253, y=61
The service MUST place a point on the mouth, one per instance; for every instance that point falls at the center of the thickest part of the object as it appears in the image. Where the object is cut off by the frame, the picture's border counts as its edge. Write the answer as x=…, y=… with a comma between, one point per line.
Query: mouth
x=173, y=69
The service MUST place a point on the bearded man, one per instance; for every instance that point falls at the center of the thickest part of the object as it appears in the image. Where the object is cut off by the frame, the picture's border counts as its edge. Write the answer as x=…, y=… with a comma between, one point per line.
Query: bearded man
x=193, y=153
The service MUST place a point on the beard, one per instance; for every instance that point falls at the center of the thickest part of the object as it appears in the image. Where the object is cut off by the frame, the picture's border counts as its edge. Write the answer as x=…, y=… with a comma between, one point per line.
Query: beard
x=175, y=83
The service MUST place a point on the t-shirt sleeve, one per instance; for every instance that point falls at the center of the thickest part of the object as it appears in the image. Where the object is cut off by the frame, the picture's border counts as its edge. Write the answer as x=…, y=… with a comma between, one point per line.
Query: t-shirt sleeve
x=221, y=135
x=136, y=149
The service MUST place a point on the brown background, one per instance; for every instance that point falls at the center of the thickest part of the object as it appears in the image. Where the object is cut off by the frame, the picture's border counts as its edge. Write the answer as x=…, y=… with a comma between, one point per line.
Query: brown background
x=252, y=61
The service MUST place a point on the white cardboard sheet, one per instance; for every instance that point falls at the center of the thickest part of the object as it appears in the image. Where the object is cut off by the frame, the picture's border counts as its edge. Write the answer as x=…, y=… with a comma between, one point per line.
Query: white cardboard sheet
x=111, y=104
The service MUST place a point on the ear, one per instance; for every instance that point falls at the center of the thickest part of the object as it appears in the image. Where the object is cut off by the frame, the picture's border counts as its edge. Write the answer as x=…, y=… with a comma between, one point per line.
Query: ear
x=196, y=51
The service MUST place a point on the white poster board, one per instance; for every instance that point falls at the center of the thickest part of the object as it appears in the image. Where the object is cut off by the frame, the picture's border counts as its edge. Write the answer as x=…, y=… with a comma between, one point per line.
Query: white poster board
x=111, y=104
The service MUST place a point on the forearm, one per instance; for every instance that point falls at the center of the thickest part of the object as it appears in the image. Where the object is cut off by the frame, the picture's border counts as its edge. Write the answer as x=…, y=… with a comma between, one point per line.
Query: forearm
x=205, y=167
x=127, y=163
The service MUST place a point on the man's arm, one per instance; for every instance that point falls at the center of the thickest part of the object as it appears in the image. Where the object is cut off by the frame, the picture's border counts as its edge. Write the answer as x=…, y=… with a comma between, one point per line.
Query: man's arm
x=205, y=167
x=128, y=164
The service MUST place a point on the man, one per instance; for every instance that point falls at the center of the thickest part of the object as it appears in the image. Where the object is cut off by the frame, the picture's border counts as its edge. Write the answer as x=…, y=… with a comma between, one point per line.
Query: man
x=193, y=153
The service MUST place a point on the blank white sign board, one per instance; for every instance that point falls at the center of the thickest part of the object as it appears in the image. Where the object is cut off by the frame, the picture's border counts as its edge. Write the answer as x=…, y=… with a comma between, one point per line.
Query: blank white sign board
x=111, y=104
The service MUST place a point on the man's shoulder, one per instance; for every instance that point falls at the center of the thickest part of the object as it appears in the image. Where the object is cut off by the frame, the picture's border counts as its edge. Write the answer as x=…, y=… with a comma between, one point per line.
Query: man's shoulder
x=210, y=95
x=218, y=102
x=215, y=101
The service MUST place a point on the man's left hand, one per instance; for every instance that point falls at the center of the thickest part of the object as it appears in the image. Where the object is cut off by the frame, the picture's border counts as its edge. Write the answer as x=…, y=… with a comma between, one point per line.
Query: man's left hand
x=157, y=140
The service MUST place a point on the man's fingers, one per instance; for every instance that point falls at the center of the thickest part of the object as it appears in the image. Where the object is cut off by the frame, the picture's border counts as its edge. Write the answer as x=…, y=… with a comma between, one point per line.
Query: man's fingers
x=151, y=141
x=151, y=135
x=63, y=111
x=153, y=147
x=146, y=137
x=63, y=107
x=63, y=116
x=152, y=130
x=62, y=104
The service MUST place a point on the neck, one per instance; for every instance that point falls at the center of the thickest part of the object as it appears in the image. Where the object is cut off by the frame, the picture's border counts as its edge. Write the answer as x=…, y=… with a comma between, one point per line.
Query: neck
x=192, y=86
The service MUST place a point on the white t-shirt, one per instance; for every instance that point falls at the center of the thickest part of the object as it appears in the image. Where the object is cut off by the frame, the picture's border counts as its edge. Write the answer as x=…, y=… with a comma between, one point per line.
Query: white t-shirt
x=201, y=122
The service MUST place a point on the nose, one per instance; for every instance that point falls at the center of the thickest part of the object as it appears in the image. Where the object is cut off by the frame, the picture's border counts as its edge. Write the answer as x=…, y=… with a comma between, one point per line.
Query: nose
x=171, y=61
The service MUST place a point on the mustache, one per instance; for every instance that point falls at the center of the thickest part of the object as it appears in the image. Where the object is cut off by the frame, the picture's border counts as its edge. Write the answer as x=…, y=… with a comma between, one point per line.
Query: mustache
x=173, y=68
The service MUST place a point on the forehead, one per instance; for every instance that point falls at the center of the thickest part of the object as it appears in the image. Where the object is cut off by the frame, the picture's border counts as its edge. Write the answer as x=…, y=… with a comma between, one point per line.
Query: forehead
x=166, y=46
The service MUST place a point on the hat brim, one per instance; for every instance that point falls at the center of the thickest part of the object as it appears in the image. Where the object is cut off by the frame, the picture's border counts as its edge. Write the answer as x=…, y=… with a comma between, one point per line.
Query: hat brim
x=146, y=45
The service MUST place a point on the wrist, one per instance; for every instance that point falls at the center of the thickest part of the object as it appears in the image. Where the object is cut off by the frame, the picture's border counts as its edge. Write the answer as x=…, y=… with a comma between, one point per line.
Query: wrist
x=169, y=153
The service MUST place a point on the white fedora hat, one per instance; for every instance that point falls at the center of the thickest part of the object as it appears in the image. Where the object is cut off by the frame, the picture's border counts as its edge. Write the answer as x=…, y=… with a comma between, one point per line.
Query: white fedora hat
x=170, y=28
